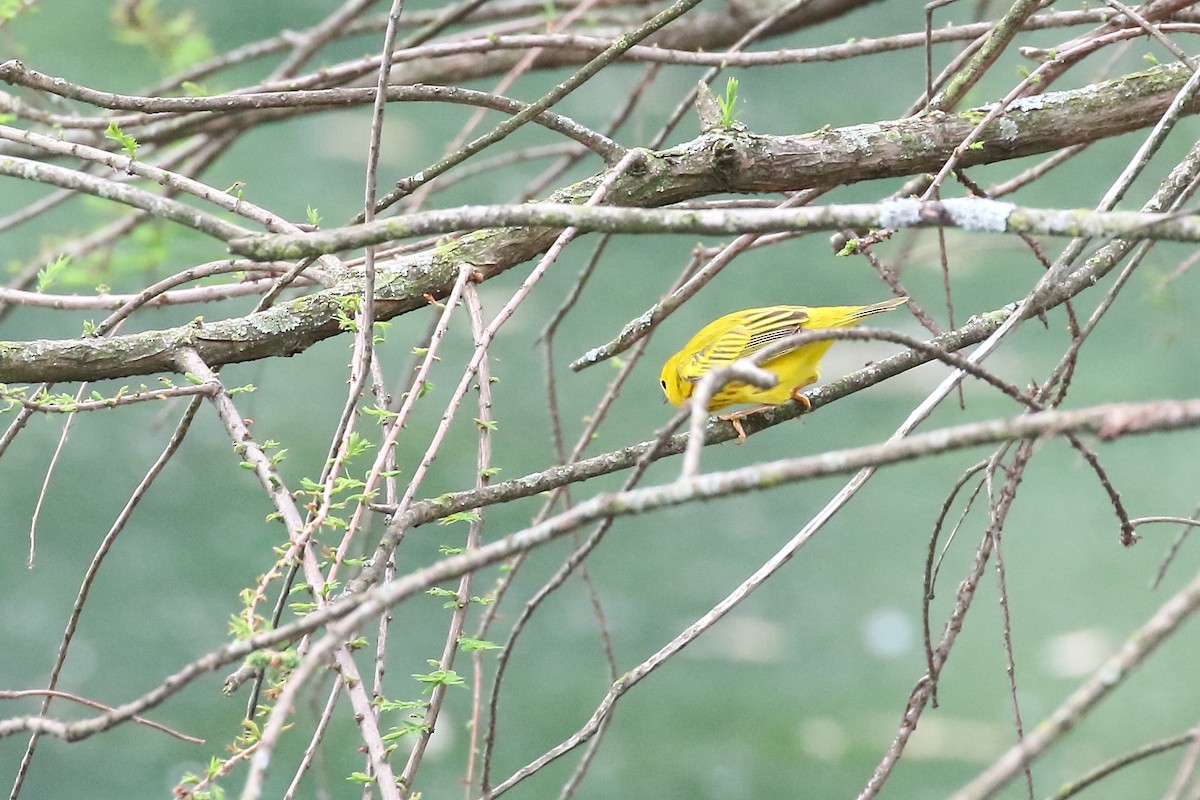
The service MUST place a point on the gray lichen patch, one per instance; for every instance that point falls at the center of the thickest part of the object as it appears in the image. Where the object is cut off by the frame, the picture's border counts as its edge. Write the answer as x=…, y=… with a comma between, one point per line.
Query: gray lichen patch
x=979, y=214
x=275, y=320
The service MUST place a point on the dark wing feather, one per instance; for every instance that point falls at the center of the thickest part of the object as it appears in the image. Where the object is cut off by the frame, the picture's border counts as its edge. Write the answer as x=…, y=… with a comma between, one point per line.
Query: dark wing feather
x=778, y=322
x=754, y=330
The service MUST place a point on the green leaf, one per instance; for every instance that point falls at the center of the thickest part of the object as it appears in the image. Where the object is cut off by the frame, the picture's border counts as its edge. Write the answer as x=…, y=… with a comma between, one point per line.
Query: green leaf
x=728, y=103
x=459, y=516
x=345, y=483
x=239, y=628
x=405, y=730
x=357, y=445
x=48, y=274
x=469, y=644
x=399, y=705
x=347, y=309
x=440, y=677
x=127, y=142
x=379, y=412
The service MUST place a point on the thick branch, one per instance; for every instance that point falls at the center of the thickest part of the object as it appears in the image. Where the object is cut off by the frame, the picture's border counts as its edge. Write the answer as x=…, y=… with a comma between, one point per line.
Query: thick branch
x=700, y=30
x=284, y=330
x=710, y=164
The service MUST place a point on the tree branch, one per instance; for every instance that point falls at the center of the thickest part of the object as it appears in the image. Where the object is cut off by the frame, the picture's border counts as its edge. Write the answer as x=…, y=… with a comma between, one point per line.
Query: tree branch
x=706, y=165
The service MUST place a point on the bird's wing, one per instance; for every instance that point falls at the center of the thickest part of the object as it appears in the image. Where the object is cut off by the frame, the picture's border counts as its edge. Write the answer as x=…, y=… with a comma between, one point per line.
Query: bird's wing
x=720, y=351
x=773, y=324
x=755, y=331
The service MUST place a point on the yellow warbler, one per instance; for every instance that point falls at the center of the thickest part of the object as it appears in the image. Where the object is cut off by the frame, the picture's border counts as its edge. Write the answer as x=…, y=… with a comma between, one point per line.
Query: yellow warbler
x=743, y=333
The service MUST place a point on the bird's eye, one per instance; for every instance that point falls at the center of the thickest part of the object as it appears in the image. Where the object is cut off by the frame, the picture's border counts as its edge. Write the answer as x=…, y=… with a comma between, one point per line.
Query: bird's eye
x=664, y=384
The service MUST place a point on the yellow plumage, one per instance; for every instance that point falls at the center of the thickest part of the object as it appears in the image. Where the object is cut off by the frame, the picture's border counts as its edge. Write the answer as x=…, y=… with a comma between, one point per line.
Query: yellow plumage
x=743, y=333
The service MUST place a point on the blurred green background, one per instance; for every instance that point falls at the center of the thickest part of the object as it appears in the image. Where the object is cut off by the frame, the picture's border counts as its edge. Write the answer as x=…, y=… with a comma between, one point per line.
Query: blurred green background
x=800, y=690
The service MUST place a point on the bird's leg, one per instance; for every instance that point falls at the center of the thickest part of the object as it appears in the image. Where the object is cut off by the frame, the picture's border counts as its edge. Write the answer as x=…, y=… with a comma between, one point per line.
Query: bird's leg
x=735, y=419
x=801, y=399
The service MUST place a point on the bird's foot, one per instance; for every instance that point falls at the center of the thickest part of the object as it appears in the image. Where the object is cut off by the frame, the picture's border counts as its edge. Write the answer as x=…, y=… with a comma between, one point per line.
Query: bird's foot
x=804, y=402
x=735, y=419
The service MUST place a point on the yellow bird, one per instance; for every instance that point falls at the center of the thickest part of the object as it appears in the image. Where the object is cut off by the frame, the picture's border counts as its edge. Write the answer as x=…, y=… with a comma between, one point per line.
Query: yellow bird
x=741, y=334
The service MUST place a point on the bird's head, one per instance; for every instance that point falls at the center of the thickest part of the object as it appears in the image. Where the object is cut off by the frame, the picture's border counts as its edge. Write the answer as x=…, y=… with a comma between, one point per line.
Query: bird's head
x=676, y=388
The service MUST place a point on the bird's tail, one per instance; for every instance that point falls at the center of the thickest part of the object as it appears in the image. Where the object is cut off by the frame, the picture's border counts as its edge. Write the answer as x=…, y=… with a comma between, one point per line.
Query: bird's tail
x=859, y=314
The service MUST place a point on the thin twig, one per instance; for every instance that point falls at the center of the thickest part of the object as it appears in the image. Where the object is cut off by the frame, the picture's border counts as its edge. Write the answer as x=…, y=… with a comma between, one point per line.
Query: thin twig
x=1169, y=617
